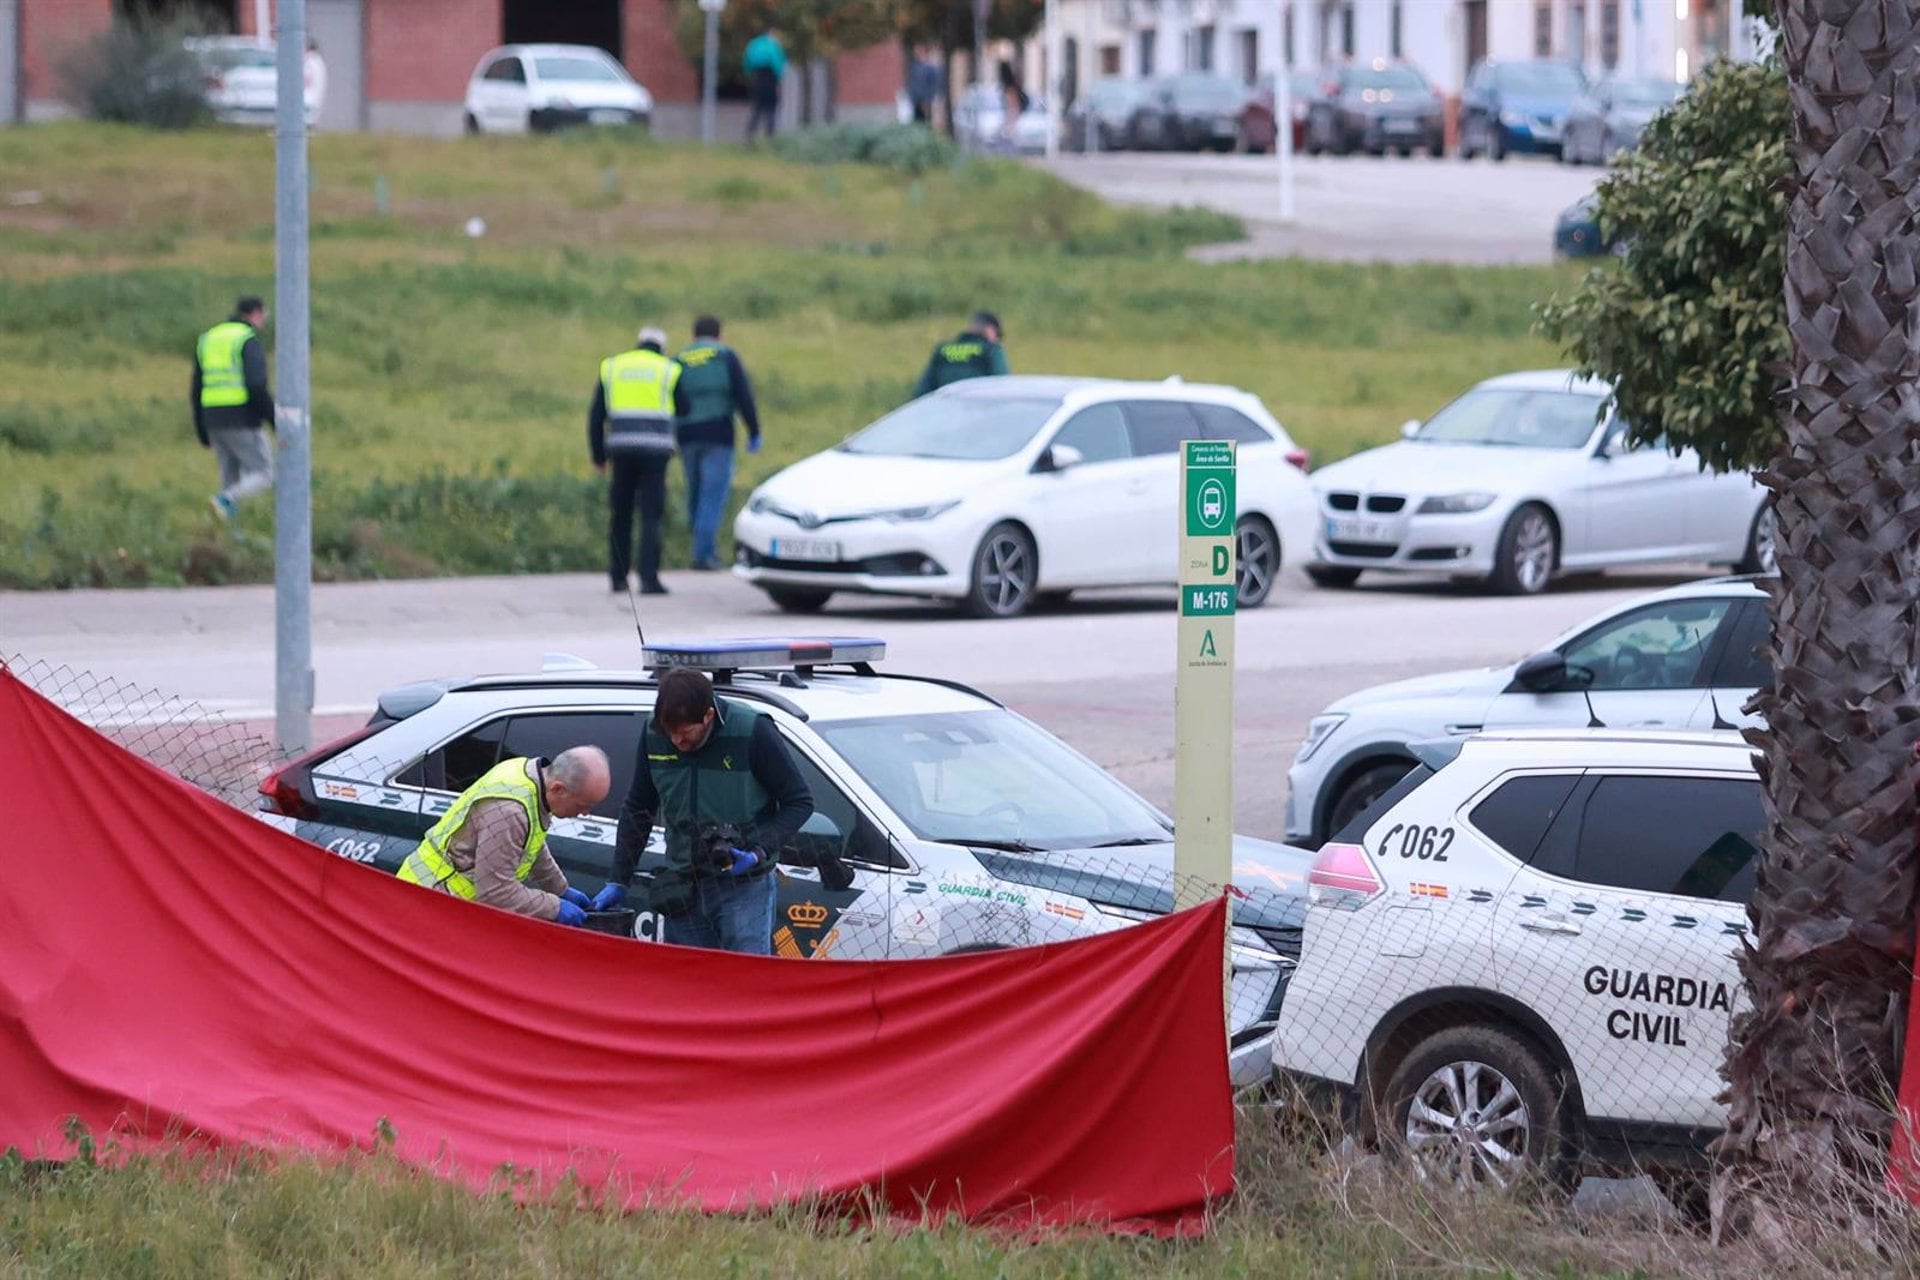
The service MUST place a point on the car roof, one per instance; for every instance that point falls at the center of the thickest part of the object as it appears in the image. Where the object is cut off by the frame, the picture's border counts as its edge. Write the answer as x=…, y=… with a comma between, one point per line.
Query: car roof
x=1611, y=748
x=1548, y=380
x=535, y=50
x=1078, y=390
x=825, y=695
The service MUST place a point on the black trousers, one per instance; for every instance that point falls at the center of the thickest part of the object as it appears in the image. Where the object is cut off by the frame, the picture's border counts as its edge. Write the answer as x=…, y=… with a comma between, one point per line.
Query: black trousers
x=638, y=480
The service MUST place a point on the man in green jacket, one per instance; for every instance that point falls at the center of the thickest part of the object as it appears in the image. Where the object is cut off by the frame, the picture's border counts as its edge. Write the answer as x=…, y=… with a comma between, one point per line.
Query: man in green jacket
x=976, y=353
x=765, y=63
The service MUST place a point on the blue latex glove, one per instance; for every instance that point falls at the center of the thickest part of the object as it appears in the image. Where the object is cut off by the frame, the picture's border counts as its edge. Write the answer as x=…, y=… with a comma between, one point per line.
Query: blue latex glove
x=570, y=914
x=753, y=444
x=744, y=860
x=610, y=897
x=578, y=899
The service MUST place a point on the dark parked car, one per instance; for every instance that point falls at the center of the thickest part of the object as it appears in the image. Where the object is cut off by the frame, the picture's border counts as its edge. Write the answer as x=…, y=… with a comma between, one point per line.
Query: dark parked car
x=1256, y=118
x=1517, y=106
x=1191, y=112
x=1608, y=120
x=1101, y=119
x=1384, y=105
x=1577, y=234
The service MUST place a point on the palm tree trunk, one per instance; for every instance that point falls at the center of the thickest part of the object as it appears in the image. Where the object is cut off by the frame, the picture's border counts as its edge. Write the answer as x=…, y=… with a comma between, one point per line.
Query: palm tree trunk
x=1813, y=1064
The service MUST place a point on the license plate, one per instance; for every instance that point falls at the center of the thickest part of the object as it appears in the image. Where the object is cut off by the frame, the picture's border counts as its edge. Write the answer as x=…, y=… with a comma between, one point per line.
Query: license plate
x=1359, y=529
x=607, y=115
x=805, y=549
x=1403, y=126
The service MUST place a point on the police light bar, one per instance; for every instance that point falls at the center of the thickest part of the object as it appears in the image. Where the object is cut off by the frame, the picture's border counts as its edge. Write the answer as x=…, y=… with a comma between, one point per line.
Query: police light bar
x=775, y=652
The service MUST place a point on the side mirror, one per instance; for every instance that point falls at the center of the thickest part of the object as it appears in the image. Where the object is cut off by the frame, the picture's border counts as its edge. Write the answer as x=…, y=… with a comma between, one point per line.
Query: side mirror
x=1548, y=672
x=1059, y=457
x=1410, y=428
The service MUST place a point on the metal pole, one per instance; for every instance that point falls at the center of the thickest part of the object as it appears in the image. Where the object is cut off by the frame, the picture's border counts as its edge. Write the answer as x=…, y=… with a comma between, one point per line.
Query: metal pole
x=980, y=10
x=292, y=503
x=709, y=74
x=1055, y=81
x=262, y=20
x=1283, y=137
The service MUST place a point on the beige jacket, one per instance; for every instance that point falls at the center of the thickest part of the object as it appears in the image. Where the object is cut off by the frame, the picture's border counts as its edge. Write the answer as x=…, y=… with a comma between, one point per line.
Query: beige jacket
x=488, y=846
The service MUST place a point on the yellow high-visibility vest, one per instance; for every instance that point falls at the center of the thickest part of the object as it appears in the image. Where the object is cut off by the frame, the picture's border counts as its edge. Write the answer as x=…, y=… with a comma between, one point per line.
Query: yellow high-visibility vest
x=430, y=864
x=223, y=375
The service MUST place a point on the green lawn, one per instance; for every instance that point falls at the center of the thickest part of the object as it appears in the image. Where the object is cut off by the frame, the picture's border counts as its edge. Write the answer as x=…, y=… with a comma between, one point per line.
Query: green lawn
x=451, y=376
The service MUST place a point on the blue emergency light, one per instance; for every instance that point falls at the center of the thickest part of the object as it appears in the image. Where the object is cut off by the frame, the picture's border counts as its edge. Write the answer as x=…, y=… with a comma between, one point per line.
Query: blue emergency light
x=763, y=653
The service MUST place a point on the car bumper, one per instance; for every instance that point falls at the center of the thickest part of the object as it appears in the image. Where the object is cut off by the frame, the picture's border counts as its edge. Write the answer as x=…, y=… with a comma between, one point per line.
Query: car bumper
x=1535, y=137
x=912, y=558
x=544, y=118
x=1453, y=544
x=1379, y=132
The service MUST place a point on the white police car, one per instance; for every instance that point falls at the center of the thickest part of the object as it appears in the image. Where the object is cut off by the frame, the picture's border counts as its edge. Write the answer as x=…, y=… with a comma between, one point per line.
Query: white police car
x=1522, y=962
x=967, y=826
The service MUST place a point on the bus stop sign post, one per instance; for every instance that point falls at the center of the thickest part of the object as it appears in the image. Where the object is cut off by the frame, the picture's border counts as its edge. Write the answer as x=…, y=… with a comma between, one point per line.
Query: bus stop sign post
x=1203, y=693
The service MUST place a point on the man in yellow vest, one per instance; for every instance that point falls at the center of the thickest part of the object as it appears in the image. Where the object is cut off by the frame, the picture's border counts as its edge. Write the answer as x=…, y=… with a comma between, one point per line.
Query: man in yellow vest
x=231, y=404
x=491, y=845
x=631, y=425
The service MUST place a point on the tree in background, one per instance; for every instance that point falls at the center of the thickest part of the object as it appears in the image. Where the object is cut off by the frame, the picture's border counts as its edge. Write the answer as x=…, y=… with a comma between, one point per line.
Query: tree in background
x=813, y=31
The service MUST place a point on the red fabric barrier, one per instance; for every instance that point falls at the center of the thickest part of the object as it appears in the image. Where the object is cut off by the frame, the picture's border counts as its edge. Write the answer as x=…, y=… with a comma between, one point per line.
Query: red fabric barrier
x=171, y=968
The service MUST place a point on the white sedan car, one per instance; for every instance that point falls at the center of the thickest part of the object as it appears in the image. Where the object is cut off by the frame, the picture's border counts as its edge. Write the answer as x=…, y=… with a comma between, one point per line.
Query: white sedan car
x=980, y=121
x=995, y=492
x=534, y=88
x=1526, y=476
x=243, y=78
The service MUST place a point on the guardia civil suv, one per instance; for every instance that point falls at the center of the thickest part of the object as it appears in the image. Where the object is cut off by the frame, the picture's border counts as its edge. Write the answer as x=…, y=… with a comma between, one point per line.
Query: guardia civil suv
x=967, y=826
x=1522, y=961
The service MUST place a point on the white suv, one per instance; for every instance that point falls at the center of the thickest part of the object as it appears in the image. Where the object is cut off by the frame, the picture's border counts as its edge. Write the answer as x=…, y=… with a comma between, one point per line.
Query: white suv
x=1522, y=961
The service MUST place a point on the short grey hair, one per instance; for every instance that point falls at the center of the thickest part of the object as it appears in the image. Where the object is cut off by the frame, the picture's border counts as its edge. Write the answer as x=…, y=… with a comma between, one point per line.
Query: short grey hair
x=572, y=767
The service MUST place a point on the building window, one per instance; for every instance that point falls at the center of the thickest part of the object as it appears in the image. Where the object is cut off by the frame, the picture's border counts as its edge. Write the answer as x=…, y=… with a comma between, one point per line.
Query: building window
x=1147, y=40
x=1200, y=55
x=1543, y=31
x=1610, y=33
x=1249, y=56
x=1393, y=30
x=1109, y=60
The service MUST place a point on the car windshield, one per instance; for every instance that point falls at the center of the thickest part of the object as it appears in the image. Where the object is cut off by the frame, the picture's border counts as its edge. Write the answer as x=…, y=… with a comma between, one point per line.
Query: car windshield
x=1205, y=91
x=993, y=778
x=1402, y=79
x=1645, y=93
x=971, y=428
x=1516, y=418
x=576, y=68
x=230, y=58
x=1549, y=79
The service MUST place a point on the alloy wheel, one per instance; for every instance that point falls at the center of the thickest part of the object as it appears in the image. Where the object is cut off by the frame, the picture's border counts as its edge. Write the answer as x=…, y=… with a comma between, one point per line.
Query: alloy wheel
x=1258, y=562
x=1533, y=552
x=1468, y=1125
x=1006, y=574
x=1766, y=550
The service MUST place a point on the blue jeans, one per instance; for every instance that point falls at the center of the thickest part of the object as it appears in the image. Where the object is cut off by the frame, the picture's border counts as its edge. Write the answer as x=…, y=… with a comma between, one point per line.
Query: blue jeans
x=728, y=915
x=709, y=482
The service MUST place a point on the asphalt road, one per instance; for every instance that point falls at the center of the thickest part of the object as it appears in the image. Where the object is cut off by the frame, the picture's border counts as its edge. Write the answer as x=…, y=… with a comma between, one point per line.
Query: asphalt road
x=1355, y=208
x=1098, y=671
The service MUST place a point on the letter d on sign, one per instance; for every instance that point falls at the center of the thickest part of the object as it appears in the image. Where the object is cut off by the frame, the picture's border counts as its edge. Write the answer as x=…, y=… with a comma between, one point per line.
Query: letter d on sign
x=1222, y=562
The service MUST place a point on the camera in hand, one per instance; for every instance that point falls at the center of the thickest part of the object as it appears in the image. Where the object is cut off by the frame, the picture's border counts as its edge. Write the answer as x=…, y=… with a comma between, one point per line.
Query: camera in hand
x=713, y=847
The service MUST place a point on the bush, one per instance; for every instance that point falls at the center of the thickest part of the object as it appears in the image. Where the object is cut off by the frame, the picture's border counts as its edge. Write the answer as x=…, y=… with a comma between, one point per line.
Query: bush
x=139, y=72
x=907, y=148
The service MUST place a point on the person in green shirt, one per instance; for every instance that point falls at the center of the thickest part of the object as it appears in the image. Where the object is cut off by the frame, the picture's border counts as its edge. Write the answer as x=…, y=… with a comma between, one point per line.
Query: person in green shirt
x=765, y=63
x=976, y=353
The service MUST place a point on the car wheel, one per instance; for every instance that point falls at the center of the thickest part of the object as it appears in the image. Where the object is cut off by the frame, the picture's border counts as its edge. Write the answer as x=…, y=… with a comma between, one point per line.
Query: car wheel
x=1480, y=1108
x=472, y=124
x=1496, y=143
x=1005, y=571
x=1257, y=561
x=1529, y=548
x=1763, y=552
x=1362, y=790
x=1332, y=575
x=798, y=599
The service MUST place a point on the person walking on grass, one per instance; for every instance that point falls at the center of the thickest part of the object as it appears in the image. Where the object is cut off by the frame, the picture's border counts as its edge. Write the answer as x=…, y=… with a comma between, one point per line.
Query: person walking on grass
x=976, y=353
x=232, y=406
x=765, y=63
x=716, y=390
x=630, y=426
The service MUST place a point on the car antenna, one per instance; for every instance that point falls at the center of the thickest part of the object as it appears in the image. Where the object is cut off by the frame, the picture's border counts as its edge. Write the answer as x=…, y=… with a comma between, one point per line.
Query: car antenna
x=1593, y=717
x=1719, y=721
x=641, y=631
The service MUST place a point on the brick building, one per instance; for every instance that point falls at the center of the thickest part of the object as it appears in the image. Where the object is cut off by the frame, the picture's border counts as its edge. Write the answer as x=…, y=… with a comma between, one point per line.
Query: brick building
x=402, y=65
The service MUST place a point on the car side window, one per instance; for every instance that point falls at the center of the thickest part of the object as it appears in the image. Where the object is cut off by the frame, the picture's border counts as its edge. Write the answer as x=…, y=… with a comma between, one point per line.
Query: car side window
x=1158, y=426
x=507, y=69
x=1519, y=812
x=838, y=824
x=1661, y=646
x=1695, y=837
x=1099, y=432
x=459, y=764
x=1744, y=663
x=615, y=732
x=1219, y=422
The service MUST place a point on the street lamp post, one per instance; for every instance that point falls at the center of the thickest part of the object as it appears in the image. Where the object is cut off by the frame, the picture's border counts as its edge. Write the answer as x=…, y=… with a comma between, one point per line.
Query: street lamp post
x=293, y=483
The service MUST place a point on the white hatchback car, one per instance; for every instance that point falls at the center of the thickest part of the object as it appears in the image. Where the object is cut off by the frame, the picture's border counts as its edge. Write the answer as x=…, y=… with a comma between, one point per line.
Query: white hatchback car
x=1524, y=963
x=1526, y=476
x=533, y=88
x=995, y=492
x=1685, y=658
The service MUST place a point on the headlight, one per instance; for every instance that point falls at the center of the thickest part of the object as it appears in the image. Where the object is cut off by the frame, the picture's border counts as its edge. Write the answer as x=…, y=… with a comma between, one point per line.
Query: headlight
x=927, y=512
x=1513, y=119
x=1319, y=729
x=1456, y=504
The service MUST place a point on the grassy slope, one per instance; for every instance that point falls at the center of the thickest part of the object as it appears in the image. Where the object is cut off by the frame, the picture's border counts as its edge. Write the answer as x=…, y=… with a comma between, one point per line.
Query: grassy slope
x=451, y=377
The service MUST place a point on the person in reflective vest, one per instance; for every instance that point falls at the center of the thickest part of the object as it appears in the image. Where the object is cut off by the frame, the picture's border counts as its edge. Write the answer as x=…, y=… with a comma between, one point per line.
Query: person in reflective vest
x=232, y=406
x=491, y=844
x=718, y=390
x=975, y=353
x=630, y=425
x=718, y=778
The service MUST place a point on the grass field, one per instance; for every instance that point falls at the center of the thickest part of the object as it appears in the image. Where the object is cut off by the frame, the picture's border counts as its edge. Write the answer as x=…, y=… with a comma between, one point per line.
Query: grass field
x=451, y=376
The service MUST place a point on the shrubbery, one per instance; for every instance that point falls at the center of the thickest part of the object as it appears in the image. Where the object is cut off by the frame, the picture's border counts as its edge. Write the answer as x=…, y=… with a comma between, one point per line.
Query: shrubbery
x=139, y=72
x=907, y=148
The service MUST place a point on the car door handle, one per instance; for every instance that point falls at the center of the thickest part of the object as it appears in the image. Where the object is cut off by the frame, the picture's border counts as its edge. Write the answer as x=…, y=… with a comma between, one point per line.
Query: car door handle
x=1550, y=924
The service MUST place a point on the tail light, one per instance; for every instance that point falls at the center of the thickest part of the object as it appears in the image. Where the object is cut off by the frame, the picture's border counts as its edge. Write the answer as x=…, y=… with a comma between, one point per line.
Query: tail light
x=1343, y=878
x=1300, y=458
x=288, y=790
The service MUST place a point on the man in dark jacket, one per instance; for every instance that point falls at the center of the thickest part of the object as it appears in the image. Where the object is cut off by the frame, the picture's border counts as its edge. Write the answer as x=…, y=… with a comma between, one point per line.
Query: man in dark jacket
x=976, y=353
x=232, y=406
x=635, y=401
x=717, y=777
x=717, y=389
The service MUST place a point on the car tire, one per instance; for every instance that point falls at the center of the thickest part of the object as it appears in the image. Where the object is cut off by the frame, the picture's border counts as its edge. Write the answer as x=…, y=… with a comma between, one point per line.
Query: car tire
x=1256, y=561
x=1488, y=1098
x=1527, y=554
x=1336, y=577
x=1496, y=144
x=1005, y=574
x=1465, y=145
x=1762, y=553
x=471, y=124
x=798, y=599
x=1361, y=790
